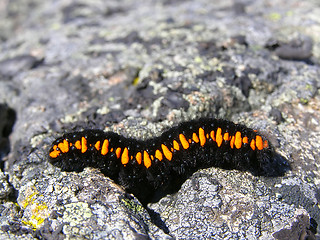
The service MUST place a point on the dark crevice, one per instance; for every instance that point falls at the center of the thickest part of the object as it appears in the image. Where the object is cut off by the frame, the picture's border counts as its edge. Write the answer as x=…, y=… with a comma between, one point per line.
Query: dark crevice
x=7, y=120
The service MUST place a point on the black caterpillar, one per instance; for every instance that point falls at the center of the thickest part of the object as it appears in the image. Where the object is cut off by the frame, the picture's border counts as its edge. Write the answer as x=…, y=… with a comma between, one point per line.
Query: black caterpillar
x=163, y=163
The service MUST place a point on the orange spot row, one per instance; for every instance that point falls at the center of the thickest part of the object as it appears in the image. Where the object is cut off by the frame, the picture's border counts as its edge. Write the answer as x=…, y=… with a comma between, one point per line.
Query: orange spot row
x=235, y=141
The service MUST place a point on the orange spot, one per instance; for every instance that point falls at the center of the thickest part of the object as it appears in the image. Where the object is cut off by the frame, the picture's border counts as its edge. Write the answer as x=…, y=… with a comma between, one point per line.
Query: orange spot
x=207, y=135
x=219, y=137
x=55, y=153
x=111, y=150
x=245, y=139
x=166, y=152
x=212, y=135
x=64, y=146
x=118, y=152
x=139, y=157
x=238, y=140
x=202, y=137
x=176, y=145
x=125, y=156
x=146, y=159
x=105, y=147
x=190, y=141
x=259, y=142
x=97, y=145
x=159, y=155
x=152, y=157
x=232, y=142
x=84, y=146
x=265, y=144
x=70, y=144
x=253, y=144
x=183, y=141
x=226, y=136
x=195, y=137
x=78, y=145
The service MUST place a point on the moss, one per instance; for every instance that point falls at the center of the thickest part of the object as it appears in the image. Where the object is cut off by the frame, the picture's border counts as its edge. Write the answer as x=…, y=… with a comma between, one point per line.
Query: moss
x=131, y=205
x=304, y=100
x=274, y=16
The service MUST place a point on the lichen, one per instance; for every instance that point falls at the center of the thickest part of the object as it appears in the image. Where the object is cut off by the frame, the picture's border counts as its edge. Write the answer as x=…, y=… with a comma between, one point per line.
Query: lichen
x=37, y=208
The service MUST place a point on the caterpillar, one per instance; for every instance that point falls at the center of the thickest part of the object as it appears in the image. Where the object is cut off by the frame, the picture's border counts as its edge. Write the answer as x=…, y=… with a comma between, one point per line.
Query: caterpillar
x=163, y=163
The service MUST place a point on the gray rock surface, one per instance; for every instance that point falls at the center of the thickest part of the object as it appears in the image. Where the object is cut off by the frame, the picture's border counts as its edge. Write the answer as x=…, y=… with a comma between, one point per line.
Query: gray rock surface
x=138, y=68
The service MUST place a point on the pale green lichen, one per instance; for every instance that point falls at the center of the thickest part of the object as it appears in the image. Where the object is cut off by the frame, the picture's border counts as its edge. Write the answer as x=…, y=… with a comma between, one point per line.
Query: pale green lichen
x=76, y=213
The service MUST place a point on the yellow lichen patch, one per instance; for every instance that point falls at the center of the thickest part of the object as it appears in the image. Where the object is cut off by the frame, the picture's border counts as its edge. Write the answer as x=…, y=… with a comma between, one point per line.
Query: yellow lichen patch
x=135, y=81
x=35, y=210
